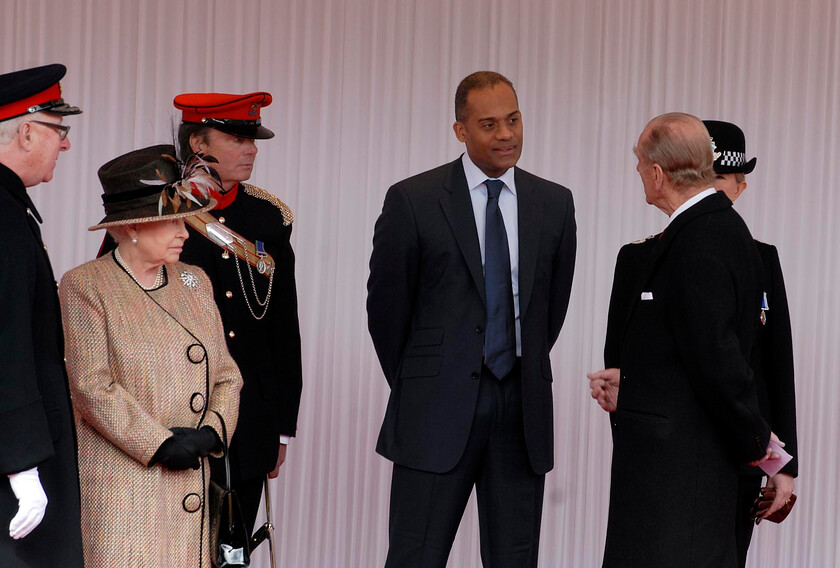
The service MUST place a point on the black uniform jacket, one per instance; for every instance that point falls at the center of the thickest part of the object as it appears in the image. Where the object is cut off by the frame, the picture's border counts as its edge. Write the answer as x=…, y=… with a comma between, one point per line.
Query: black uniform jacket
x=688, y=411
x=266, y=350
x=426, y=312
x=36, y=417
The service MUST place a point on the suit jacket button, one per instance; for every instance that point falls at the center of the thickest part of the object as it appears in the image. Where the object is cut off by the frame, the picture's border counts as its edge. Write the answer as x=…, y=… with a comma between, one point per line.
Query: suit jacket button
x=475, y=376
x=478, y=329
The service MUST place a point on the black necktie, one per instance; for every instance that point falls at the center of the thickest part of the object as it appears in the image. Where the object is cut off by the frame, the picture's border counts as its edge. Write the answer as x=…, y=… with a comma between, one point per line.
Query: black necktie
x=500, y=336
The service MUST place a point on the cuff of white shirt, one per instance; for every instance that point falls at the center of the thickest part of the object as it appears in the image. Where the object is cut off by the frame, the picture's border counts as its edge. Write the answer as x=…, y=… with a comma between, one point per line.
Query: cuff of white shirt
x=285, y=439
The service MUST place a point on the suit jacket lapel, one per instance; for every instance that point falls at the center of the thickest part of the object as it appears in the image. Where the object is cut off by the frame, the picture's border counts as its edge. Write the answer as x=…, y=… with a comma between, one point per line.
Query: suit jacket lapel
x=457, y=206
x=530, y=227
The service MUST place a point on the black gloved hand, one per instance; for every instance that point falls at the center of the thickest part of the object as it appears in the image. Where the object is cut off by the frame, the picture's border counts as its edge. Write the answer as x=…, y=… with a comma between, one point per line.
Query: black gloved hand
x=174, y=455
x=200, y=441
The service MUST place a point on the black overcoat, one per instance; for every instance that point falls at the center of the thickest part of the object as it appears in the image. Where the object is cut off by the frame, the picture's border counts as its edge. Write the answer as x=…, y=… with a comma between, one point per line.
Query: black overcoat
x=426, y=312
x=687, y=412
x=36, y=419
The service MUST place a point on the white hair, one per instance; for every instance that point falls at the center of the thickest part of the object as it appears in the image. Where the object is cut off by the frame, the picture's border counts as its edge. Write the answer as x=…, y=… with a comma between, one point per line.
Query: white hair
x=8, y=128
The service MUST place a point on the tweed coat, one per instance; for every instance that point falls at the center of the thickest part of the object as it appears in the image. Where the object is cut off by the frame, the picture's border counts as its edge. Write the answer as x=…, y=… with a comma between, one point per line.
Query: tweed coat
x=36, y=418
x=140, y=363
x=687, y=412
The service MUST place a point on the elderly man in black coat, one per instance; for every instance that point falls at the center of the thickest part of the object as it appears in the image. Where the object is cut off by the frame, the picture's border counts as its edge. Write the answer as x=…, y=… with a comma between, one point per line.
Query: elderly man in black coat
x=38, y=442
x=687, y=415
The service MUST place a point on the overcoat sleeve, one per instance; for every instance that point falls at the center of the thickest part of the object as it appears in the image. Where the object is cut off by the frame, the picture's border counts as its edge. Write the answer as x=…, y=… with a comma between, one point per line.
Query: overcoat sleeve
x=97, y=397
x=26, y=439
x=777, y=363
x=392, y=285
x=564, y=270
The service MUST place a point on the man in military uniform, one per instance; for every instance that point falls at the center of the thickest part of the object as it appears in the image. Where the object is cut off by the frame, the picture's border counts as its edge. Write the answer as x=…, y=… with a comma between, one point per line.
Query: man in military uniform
x=258, y=305
x=38, y=442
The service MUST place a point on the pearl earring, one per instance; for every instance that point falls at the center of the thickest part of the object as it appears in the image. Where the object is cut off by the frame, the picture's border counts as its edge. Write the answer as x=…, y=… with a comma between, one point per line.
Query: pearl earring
x=134, y=240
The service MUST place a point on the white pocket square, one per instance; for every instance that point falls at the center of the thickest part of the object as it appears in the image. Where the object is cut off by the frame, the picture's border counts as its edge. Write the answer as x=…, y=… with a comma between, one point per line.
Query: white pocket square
x=647, y=295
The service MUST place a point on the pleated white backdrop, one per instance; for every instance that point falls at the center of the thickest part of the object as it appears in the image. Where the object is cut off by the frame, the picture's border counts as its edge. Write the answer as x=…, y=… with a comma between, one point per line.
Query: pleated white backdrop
x=363, y=97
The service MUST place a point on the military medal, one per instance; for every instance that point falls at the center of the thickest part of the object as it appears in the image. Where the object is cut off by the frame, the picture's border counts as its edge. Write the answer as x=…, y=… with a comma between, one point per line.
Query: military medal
x=261, y=265
x=764, y=309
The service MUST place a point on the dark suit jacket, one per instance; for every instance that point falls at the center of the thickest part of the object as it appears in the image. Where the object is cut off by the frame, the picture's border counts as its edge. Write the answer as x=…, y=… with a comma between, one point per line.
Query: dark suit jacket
x=36, y=417
x=426, y=312
x=687, y=409
x=772, y=357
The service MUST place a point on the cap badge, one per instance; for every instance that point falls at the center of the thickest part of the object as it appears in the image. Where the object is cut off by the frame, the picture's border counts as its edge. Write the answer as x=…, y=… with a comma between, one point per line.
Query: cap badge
x=253, y=111
x=714, y=153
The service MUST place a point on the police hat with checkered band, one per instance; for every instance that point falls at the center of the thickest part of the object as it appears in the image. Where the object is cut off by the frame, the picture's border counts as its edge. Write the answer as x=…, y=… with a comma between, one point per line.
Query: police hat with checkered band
x=729, y=142
x=33, y=90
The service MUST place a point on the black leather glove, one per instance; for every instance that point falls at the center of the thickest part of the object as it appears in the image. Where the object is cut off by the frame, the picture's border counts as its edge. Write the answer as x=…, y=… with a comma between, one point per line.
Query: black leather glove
x=174, y=455
x=200, y=441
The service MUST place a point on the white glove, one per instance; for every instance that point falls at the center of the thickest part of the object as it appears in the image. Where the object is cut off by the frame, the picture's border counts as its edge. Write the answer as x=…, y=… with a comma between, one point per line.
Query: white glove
x=32, y=502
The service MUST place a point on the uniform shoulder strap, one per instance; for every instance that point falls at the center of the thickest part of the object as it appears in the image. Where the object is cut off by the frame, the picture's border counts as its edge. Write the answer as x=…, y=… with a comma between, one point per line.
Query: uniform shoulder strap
x=254, y=191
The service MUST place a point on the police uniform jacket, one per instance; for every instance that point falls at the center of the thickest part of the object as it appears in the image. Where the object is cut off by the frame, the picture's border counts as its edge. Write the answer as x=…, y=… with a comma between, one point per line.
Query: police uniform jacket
x=266, y=350
x=687, y=411
x=36, y=419
x=140, y=363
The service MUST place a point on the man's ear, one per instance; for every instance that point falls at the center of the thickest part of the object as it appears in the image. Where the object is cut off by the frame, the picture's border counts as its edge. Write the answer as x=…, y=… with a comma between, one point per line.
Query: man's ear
x=196, y=143
x=740, y=188
x=460, y=131
x=24, y=136
x=658, y=176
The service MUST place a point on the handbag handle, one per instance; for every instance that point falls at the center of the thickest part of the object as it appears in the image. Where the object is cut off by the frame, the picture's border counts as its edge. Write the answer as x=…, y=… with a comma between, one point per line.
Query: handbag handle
x=224, y=449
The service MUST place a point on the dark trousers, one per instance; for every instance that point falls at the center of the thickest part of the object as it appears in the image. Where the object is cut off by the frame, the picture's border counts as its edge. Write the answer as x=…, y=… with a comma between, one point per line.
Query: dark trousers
x=426, y=507
x=749, y=487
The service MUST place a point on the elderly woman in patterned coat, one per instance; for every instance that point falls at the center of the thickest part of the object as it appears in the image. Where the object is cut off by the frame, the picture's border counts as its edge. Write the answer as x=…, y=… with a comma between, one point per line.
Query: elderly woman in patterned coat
x=150, y=375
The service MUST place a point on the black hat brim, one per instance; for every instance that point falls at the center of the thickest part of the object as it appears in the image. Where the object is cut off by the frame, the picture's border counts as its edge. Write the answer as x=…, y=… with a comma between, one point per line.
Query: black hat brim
x=252, y=131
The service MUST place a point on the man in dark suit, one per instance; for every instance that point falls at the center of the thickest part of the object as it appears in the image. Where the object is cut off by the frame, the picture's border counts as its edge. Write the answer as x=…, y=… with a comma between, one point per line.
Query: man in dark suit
x=39, y=491
x=772, y=358
x=470, y=277
x=687, y=414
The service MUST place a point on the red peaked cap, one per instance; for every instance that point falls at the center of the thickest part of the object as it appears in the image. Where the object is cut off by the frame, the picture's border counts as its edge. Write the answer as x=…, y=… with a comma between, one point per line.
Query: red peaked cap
x=238, y=115
x=33, y=90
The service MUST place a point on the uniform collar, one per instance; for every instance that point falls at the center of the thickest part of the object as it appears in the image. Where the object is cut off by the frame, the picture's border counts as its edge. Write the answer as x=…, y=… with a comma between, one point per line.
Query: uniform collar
x=225, y=199
x=12, y=182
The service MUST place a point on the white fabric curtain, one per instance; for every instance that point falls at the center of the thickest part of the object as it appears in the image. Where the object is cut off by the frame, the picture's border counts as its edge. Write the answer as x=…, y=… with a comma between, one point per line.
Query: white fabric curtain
x=363, y=93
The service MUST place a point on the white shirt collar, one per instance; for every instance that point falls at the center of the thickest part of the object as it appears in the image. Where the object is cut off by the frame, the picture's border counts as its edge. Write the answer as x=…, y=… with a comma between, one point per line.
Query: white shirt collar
x=693, y=201
x=476, y=178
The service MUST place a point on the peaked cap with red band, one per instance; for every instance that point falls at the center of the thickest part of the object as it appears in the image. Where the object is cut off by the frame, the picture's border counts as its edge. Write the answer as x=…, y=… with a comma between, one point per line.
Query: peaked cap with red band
x=33, y=90
x=238, y=115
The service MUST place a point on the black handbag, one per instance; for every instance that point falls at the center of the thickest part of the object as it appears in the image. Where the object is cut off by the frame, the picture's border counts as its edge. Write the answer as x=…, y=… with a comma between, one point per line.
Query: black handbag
x=229, y=538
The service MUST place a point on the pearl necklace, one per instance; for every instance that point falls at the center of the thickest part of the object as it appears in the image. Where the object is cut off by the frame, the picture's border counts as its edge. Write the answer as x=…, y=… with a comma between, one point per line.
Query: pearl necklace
x=158, y=279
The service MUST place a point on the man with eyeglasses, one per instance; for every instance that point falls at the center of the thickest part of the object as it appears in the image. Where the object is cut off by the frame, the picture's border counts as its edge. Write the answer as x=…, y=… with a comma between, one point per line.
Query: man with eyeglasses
x=40, y=502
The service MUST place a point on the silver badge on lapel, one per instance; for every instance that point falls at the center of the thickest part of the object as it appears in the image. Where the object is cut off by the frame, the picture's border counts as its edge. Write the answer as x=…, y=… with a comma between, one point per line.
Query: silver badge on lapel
x=189, y=279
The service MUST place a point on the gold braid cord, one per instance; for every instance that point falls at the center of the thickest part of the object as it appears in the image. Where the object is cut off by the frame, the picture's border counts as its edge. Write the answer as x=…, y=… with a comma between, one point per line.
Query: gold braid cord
x=255, y=191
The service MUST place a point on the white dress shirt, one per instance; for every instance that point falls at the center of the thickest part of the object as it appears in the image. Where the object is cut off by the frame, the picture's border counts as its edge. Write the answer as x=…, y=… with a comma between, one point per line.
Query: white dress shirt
x=509, y=206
